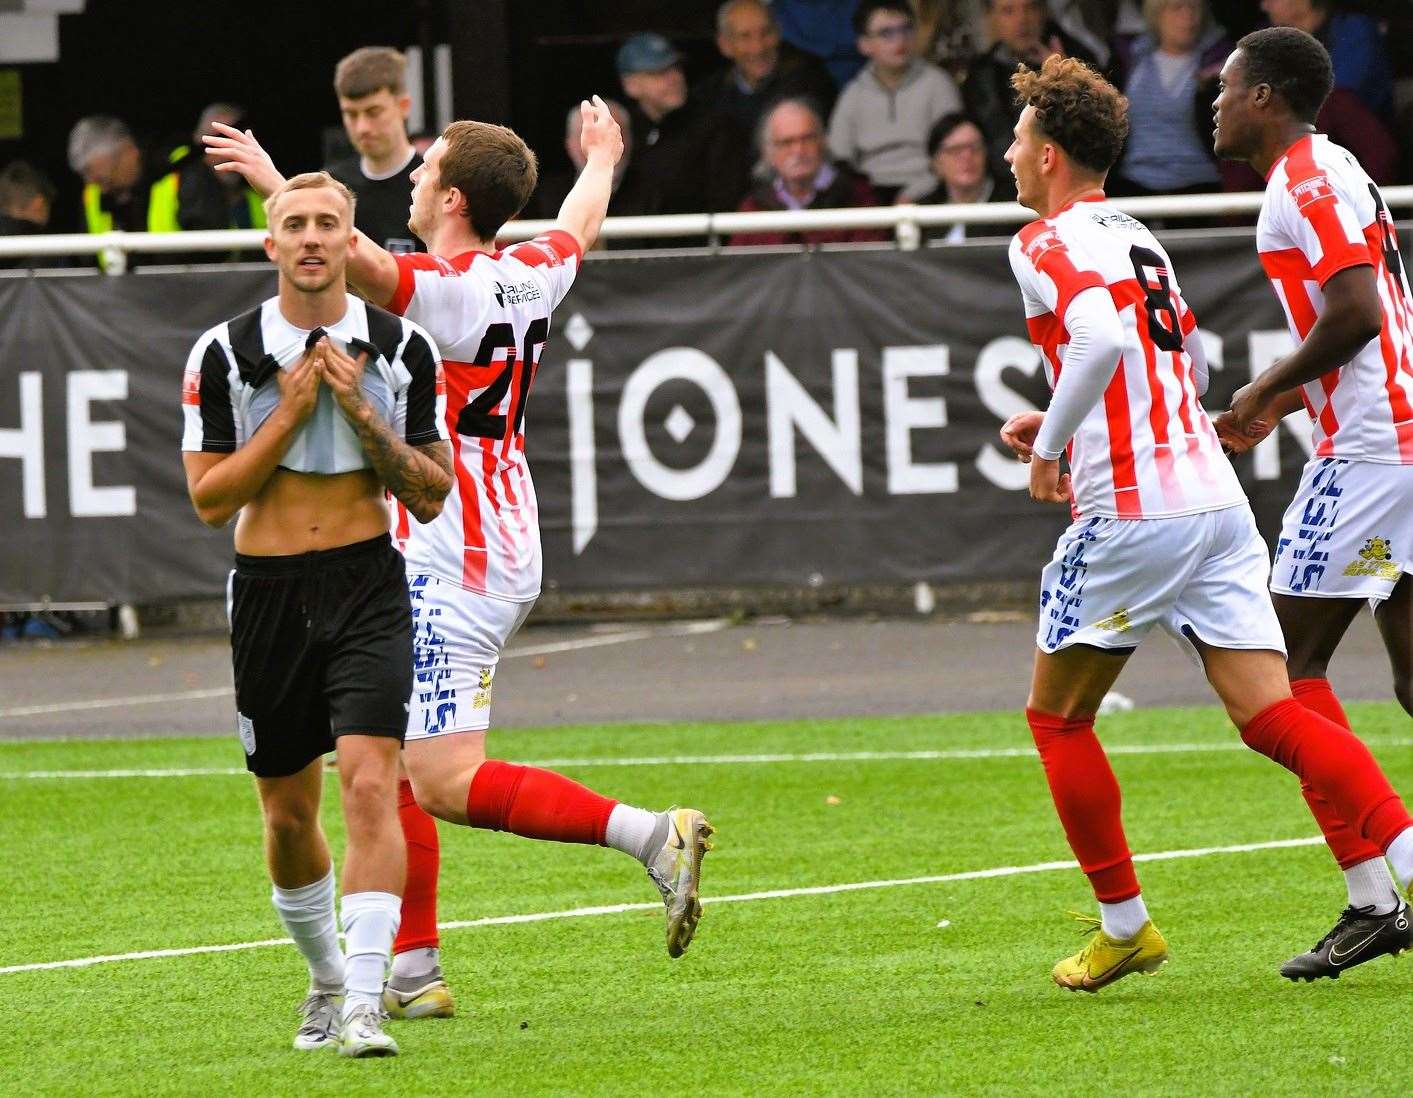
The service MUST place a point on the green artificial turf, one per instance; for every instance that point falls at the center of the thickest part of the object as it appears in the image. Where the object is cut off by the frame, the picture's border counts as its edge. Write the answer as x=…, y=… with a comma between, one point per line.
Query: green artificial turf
x=839, y=993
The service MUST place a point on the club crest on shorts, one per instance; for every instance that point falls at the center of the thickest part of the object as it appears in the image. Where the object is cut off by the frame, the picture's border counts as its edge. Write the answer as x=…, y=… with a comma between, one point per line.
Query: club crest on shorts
x=1375, y=559
x=482, y=698
x=1117, y=622
x=246, y=729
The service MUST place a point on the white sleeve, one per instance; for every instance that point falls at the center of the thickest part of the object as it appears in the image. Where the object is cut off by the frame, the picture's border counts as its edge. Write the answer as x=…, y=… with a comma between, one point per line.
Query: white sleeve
x=1197, y=352
x=1096, y=339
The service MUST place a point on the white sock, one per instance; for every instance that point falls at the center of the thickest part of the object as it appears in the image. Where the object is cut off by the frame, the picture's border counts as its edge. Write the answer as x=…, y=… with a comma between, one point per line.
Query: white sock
x=369, y=926
x=636, y=831
x=1400, y=855
x=308, y=915
x=1370, y=885
x=411, y=963
x=1124, y=920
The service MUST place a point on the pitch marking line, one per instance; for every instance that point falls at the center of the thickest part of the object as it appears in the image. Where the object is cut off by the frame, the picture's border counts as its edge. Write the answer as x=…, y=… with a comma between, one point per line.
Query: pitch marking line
x=687, y=629
x=742, y=898
x=715, y=760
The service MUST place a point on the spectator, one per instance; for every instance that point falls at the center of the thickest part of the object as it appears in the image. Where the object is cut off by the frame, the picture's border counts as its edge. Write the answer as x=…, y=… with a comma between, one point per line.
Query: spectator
x=1169, y=148
x=132, y=190
x=685, y=159
x=881, y=124
x=26, y=201
x=825, y=29
x=1354, y=42
x=791, y=140
x=950, y=32
x=221, y=197
x=1097, y=24
x=371, y=84
x=1020, y=35
x=554, y=186
x=763, y=69
x=957, y=150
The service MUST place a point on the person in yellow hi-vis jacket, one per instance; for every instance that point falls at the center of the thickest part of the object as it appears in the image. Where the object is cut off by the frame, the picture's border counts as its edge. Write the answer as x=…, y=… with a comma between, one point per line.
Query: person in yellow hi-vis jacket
x=129, y=189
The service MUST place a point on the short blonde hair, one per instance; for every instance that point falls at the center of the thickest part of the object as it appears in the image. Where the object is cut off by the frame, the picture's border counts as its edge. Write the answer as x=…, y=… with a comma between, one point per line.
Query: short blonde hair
x=306, y=182
x=1152, y=9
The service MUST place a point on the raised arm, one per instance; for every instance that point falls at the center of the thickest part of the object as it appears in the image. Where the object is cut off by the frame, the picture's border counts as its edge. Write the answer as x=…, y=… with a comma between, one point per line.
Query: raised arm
x=371, y=268
x=220, y=484
x=419, y=476
x=586, y=204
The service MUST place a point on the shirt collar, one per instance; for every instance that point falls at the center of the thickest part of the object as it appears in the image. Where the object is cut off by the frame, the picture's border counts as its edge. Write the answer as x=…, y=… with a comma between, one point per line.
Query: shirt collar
x=822, y=181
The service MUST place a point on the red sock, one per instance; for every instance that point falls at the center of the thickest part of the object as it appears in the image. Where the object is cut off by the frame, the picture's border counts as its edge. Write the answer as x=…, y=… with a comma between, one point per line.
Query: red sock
x=418, y=929
x=538, y=804
x=1336, y=764
x=1086, y=796
x=1347, y=845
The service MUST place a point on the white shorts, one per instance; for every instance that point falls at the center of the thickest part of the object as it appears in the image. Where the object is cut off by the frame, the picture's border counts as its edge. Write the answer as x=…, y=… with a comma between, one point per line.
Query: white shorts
x=1111, y=580
x=1348, y=533
x=458, y=636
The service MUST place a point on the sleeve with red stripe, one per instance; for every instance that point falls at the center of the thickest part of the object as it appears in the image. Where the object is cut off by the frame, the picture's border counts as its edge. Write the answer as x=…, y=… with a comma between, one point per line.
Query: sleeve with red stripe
x=407, y=265
x=1063, y=268
x=1321, y=221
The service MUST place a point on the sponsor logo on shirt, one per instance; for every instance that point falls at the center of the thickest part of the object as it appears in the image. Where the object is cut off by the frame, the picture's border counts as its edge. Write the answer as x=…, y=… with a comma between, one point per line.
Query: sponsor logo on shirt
x=191, y=387
x=1375, y=559
x=1042, y=244
x=516, y=293
x=1312, y=190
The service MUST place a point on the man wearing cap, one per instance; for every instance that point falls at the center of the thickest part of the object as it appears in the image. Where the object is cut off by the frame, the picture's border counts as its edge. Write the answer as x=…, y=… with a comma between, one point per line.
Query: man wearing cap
x=685, y=160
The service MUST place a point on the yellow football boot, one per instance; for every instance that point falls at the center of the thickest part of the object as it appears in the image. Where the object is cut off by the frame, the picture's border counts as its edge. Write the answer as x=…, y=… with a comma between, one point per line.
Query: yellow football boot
x=1107, y=959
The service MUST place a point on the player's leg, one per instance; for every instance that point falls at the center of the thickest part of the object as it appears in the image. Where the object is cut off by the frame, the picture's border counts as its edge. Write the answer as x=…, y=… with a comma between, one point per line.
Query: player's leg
x=1395, y=620
x=459, y=638
x=302, y=873
x=374, y=869
x=1109, y=581
x=416, y=987
x=362, y=604
x=284, y=728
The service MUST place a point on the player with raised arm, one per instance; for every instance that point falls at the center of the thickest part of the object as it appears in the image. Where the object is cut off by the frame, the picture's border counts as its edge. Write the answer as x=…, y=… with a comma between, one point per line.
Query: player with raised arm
x=475, y=573
x=1162, y=533
x=298, y=414
x=1328, y=246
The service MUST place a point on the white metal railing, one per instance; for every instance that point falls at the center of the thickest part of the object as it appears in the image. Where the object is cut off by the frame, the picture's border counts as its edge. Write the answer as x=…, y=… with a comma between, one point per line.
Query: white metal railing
x=906, y=222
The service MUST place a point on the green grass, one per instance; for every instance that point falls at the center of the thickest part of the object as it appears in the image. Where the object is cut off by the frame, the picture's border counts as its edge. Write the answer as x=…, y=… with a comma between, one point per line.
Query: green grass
x=826, y=994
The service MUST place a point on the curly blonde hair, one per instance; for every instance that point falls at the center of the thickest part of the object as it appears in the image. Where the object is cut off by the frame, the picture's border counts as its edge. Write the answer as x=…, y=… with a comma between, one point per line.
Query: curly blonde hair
x=1076, y=108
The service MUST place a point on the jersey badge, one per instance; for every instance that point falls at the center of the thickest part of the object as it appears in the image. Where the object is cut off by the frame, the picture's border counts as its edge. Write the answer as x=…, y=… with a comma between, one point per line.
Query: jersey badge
x=1309, y=191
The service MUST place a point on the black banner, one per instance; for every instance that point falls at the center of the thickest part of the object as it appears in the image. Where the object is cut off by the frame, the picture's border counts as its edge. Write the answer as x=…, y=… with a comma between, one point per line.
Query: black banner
x=799, y=419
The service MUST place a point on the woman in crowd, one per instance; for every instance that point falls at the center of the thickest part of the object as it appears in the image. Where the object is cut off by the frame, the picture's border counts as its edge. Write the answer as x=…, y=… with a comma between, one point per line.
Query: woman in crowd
x=956, y=149
x=1169, y=147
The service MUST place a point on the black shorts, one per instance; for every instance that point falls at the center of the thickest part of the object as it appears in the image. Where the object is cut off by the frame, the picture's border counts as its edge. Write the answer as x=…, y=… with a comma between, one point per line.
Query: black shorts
x=322, y=645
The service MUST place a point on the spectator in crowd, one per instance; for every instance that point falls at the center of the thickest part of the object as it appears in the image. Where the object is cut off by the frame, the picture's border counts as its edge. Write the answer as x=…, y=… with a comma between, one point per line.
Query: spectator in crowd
x=881, y=123
x=1354, y=42
x=132, y=190
x=763, y=68
x=1169, y=148
x=554, y=186
x=26, y=201
x=950, y=33
x=685, y=158
x=1020, y=34
x=957, y=150
x=371, y=84
x=825, y=29
x=222, y=197
x=1096, y=25
x=791, y=140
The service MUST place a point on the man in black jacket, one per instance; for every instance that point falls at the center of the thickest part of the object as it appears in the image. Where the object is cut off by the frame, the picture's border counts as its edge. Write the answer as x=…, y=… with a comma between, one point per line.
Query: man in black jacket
x=685, y=158
x=763, y=69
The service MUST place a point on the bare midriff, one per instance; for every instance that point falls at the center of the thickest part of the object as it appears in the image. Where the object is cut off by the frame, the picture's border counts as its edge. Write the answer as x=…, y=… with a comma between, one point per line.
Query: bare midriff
x=306, y=512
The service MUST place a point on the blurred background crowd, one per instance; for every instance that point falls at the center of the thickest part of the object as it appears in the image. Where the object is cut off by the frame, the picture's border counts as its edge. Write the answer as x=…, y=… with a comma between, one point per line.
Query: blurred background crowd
x=742, y=105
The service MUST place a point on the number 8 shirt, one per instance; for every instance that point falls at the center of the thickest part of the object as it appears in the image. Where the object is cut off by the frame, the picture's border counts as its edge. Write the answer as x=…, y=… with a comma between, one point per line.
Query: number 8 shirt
x=491, y=313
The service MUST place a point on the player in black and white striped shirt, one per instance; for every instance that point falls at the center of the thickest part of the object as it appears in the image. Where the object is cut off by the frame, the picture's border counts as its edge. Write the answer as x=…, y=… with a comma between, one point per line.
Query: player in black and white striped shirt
x=299, y=414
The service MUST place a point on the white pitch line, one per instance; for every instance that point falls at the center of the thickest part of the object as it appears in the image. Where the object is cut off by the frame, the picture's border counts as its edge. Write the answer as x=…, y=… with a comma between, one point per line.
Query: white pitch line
x=745, y=897
x=717, y=760
x=690, y=629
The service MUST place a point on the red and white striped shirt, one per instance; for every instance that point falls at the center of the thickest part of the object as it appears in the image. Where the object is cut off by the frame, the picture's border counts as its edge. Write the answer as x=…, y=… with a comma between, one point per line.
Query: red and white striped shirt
x=1322, y=214
x=1146, y=448
x=492, y=315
